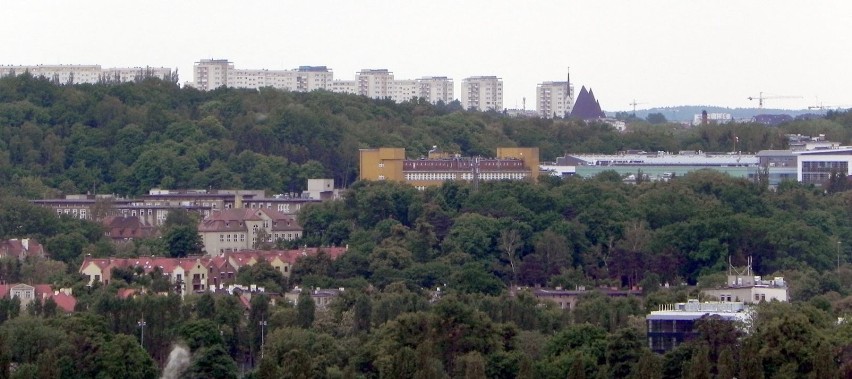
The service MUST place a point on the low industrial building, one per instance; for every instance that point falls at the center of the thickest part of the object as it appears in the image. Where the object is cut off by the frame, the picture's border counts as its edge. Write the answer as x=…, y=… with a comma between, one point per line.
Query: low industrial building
x=817, y=166
x=672, y=325
x=659, y=165
x=387, y=163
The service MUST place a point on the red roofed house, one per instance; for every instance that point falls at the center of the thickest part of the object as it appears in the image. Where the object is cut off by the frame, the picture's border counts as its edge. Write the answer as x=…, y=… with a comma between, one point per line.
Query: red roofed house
x=124, y=227
x=203, y=273
x=191, y=271
x=21, y=248
x=27, y=293
x=237, y=229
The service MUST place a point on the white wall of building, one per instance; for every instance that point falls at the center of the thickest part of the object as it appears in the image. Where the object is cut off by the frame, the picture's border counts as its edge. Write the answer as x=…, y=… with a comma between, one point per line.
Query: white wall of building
x=828, y=158
x=435, y=89
x=79, y=74
x=209, y=74
x=403, y=90
x=375, y=83
x=482, y=93
x=345, y=86
x=554, y=98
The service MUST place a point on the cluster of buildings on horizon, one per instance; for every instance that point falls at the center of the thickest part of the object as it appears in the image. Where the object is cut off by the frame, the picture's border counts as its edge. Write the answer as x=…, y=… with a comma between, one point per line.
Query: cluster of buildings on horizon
x=554, y=99
x=809, y=160
x=482, y=93
x=87, y=74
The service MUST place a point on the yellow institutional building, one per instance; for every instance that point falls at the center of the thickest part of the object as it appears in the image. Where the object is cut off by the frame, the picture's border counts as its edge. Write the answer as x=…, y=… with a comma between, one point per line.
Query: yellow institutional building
x=389, y=163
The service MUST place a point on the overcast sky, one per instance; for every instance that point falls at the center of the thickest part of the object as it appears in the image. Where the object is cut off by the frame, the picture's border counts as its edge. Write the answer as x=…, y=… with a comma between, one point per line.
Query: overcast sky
x=658, y=52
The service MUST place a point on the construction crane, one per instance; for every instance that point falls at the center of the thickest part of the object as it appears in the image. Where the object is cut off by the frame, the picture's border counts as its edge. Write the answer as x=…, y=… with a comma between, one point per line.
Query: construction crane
x=761, y=97
x=824, y=107
x=634, y=104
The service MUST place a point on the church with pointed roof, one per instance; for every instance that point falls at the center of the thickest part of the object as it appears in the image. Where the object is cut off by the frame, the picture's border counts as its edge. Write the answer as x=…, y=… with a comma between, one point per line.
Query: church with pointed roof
x=587, y=107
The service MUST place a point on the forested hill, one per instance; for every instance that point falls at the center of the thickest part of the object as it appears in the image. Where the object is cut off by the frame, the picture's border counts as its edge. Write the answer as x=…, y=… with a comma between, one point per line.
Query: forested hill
x=127, y=138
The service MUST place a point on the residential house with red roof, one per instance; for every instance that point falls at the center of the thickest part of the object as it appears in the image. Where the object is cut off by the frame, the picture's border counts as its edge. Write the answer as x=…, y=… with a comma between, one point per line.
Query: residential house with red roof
x=27, y=294
x=125, y=228
x=238, y=229
x=21, y=248
x=202, y=273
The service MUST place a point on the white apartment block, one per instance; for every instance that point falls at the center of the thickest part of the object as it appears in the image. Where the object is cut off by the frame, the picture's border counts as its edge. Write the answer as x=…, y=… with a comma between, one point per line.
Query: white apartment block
x=345, y=86
x=554, y=99
x=482, y=93
x=91, y=74
x=375, y=83
x=312, y=78
x=435, y=89
x=214, y=73
x=209, y=74
x=403, y=90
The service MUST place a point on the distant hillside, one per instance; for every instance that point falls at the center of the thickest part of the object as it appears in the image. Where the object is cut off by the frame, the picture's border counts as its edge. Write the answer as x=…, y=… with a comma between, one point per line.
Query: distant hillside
x=686, y=112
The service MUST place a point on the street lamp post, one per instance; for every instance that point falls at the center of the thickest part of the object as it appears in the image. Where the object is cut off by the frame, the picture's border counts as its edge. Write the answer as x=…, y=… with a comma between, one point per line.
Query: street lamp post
x=838, y=256
x=141, y=324
x=262, y=324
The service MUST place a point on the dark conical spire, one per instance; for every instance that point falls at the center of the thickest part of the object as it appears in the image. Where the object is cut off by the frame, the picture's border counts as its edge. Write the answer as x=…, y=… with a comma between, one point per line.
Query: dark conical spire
x=587, y=107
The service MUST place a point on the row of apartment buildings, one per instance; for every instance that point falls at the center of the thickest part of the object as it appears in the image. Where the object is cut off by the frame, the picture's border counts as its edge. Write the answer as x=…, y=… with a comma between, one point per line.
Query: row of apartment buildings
x=231, y=220
x=153, y=207
x=483, y=93
x=210, y=74
x=86, y=74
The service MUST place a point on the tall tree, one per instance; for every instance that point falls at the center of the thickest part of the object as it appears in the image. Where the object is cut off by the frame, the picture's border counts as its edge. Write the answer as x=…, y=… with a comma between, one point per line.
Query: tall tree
x=211, y=362
x=305, y=309
x=183, y=240
x=123, y=357
x=510, y=242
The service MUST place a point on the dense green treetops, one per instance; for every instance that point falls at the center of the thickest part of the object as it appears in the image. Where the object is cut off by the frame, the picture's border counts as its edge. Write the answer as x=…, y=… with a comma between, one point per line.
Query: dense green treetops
x=428, y=273
x=128, y=138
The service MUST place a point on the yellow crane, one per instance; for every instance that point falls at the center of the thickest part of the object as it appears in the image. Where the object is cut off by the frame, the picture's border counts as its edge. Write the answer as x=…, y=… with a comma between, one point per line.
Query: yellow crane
x=762, y=97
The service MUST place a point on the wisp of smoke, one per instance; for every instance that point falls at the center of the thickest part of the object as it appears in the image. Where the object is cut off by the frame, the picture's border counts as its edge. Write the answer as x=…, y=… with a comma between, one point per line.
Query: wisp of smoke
x=178, y=361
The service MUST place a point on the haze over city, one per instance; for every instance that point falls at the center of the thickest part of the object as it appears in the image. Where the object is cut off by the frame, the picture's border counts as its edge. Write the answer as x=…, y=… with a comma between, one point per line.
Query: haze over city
x=656, y=53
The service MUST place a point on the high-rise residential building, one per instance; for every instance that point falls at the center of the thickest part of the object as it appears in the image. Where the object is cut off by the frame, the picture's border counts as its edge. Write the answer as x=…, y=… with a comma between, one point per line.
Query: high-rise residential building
x=345, y=86
x=78, y=74
x=213, y=73
x=311, y=78
x=435, y=89
x=554, y=99
x=302, y=79
x=403, y=90
x=375, y=83
x=482, y=93
x=209, y=74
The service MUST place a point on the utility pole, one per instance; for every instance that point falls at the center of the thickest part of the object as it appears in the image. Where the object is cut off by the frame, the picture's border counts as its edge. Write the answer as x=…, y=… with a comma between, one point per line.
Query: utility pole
x=141, y=325
x=262, y=324
x=838, y=256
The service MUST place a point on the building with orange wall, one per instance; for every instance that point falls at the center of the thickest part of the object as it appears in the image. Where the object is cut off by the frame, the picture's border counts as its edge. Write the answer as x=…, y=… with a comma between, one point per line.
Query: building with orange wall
x=511, y=163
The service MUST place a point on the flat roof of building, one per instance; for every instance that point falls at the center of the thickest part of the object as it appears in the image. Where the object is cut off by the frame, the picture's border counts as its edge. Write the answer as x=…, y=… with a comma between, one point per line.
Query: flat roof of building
x=683, y=315
x=835, y=151
x=668, y=159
